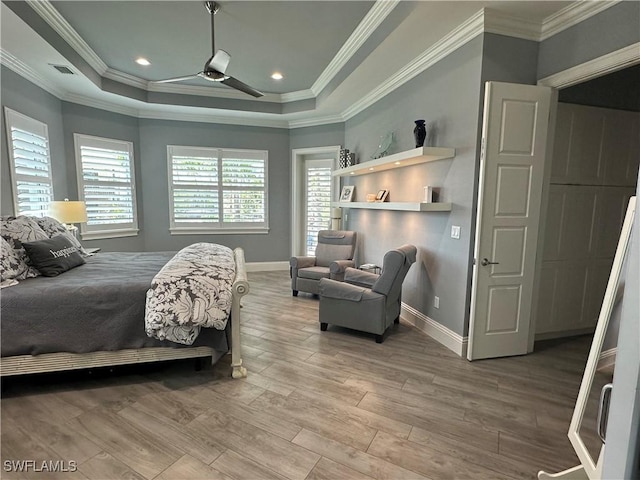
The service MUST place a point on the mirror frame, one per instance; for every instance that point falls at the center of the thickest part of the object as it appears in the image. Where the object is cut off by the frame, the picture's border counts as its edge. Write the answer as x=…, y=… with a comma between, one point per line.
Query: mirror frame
x=593, y=468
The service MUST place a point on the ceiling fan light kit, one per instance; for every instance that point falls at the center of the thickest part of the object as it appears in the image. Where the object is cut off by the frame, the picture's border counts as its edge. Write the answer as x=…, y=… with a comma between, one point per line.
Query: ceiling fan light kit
x=215, y=67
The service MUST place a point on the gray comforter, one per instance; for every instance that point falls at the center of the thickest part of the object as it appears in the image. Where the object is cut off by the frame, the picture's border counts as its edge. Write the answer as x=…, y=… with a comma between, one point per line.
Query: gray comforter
x=94, y=307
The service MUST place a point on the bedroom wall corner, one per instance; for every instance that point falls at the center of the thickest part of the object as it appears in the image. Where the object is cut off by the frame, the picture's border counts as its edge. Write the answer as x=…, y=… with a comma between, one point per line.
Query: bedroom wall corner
x=23, y=96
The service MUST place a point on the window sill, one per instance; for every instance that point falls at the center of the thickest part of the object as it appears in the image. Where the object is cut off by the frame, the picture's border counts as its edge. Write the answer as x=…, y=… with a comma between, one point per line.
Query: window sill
x=218, y=231
x=102, y=234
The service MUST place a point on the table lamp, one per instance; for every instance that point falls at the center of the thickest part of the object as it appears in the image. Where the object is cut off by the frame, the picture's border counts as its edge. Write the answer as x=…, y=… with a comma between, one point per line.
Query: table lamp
x=68, y=213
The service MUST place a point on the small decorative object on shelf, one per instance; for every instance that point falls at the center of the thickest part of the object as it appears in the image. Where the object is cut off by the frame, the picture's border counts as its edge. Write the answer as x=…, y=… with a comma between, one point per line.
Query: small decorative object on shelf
x=344, y=157
x=371, y=197
x=419, y=133
x=383, y=146
x=347, y=193
x=382, y=195
x=351, y=160
x=428, y=194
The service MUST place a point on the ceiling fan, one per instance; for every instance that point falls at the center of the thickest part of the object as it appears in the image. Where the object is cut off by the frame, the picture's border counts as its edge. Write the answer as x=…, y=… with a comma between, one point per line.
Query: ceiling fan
x=216, y=66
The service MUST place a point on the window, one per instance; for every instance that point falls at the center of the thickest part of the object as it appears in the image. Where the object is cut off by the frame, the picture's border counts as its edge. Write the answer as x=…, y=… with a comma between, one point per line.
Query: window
x=30, y=164
x=214, y=190
x=106, y=183
x=318, y=200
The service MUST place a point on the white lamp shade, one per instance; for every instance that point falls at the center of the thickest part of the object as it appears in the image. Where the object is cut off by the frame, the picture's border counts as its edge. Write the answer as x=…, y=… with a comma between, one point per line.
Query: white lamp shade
x=68, y=212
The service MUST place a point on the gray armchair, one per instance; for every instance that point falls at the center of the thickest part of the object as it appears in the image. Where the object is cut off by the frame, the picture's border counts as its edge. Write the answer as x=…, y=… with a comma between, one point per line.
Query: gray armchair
x=366, y=301
x=334, y=254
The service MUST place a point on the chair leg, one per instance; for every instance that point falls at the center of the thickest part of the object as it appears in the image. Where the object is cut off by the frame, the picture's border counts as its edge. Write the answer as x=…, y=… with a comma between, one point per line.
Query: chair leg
x=295, y=293
x=323, y=326
x=379, y=338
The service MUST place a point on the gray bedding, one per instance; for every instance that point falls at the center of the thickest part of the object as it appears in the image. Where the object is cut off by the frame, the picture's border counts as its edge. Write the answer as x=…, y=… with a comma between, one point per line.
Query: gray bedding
x=94, y=307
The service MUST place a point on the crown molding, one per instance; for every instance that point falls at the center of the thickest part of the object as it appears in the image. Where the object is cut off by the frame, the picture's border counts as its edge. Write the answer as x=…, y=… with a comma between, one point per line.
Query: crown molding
x=374, y=17
x=214, y=117
x=572, y=15
x=611, y=62
x=49, y=14
x=501, y=24
x=316, y=121
x=452, y=41
x=15, y=64
x=100, y=104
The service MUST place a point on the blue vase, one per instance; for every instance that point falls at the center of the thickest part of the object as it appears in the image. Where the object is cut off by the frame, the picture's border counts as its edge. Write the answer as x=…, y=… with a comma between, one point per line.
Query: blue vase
x=419, y=133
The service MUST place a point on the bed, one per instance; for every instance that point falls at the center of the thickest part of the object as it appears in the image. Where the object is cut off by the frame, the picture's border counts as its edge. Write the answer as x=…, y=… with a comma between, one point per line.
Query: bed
x=94, y=316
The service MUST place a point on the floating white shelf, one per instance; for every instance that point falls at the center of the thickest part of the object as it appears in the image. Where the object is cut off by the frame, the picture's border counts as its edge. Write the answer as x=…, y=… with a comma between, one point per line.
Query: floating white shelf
x=397, y=160
x=405, y=206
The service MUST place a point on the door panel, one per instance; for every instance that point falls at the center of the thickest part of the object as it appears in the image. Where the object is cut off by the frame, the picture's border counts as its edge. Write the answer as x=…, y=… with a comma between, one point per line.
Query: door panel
x=514, y=134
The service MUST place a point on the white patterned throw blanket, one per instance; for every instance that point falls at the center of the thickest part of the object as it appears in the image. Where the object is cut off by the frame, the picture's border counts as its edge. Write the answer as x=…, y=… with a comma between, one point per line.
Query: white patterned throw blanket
x=192, y=290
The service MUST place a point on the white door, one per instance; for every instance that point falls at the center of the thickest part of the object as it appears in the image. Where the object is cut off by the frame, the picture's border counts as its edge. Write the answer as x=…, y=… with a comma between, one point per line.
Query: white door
x=514, y=136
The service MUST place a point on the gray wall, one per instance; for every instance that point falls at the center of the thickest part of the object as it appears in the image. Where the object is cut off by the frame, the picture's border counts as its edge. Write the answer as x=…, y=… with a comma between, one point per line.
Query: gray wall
x=30, y=100
x=155, y=135
x=320, y=136
x=447, y=96
x=610, y=30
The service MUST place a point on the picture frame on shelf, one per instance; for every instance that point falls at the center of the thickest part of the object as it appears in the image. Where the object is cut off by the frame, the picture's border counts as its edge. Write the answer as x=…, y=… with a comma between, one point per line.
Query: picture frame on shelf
x=381, y=196
x=347, y=193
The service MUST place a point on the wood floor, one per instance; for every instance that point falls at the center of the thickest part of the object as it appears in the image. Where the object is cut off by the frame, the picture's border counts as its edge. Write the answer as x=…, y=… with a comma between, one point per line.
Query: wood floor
x=316, y=405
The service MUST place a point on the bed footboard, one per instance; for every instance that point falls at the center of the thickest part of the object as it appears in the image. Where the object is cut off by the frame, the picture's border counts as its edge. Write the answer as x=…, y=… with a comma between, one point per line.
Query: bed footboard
x=240, y=289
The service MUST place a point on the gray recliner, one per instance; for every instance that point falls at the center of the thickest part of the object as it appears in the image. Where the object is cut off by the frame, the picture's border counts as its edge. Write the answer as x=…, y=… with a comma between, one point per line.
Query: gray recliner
x=334, y=254
x=366, y=301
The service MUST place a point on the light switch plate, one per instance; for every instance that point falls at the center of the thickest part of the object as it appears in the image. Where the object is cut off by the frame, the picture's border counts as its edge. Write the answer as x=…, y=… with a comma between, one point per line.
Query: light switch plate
x=455, y=232
x=436, y=302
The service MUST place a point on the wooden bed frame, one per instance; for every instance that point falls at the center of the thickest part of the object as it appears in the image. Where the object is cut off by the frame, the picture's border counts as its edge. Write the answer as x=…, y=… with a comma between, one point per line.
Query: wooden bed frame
x=52, y=362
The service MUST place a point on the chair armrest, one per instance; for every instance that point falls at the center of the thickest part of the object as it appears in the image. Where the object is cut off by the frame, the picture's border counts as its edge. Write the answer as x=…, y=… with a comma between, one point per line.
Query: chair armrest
x=360, y=277
x=340, y=290
x=338, y=267
x=302, y=262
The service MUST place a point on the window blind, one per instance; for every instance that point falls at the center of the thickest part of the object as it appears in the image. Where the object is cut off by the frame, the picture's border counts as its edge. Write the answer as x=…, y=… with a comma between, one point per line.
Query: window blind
x=217, y=189
x=106, y=183
x=30, y=164
x=318, y=204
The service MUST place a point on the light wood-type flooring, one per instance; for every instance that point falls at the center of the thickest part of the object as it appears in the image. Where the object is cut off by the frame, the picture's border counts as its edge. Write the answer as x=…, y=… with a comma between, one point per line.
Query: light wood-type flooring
x=316, y=405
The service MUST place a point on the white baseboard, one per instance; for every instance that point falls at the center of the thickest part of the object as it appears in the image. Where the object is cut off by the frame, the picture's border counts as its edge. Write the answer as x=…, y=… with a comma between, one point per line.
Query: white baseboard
x=267, y=266
x=607, y=358
x=564, y=333
x=454, y=342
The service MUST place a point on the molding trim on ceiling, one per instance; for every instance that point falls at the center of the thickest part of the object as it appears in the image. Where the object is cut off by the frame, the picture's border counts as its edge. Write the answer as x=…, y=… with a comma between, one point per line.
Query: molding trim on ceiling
x=454, y=40
x=208, y=117
x=502, y=24
x=49, y=14
x=316, y=121
x=368, y=25
x=15, y=64
x=572, y=15
x=611, y=62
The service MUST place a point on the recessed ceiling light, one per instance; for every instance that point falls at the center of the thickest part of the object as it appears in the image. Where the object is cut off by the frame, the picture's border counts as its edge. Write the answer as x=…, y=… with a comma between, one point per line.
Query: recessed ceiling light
x=276, y=76
x=143, y=61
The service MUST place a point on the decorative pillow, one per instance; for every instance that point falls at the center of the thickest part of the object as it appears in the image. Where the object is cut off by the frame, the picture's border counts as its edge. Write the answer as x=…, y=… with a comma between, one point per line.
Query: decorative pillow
x=53, y=256
x=12, y=267
x=16, y=231
x=53, y=227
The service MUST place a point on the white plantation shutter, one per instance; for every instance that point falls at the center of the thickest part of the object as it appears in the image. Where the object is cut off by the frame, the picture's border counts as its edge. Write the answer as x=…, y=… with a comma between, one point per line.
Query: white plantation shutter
x=217, y=190
x=106, y=184
x=30, y=164
x=318, y=203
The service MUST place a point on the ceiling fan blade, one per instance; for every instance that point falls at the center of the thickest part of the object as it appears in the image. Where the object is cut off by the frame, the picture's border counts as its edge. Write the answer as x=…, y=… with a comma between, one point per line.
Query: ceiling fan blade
x=243, y=87
x=218, y=62
x=177, y=79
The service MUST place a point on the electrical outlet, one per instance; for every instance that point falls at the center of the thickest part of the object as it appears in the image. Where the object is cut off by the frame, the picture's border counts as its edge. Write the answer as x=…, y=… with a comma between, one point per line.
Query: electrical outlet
x=455, y=232
x=436, y=302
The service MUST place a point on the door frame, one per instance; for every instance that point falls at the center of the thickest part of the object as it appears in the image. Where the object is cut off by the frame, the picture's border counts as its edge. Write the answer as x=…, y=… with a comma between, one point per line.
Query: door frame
x=298, y=156
x=597, y=67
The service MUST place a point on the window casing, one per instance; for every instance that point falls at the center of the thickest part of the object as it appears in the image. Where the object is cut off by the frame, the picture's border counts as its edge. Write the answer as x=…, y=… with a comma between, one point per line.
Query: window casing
x=30, y=161
x=217, y=190
x=106, y=183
